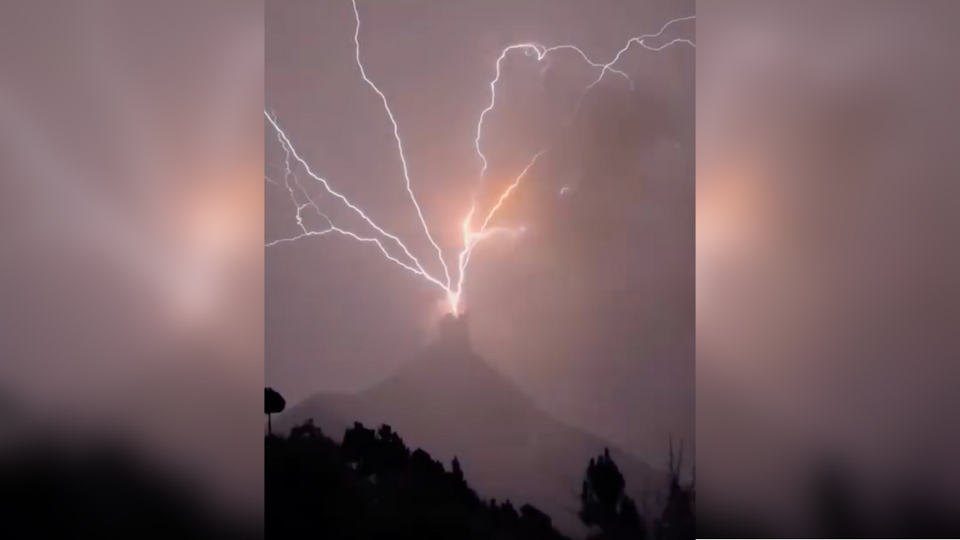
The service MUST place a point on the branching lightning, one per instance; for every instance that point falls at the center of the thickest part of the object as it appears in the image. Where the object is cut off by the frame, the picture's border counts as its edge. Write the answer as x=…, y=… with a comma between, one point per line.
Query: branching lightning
x=396, y=134
x=471, y=236
x=639, y=41
x=541, y=53
x=331, y=228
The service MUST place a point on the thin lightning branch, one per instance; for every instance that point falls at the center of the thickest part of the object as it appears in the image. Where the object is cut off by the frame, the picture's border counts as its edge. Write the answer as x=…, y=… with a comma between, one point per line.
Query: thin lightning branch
x=541, y=53
x=639, y=40
x=359, y=238
x=291, y=151
x=470, y=240
x=664, y=46
x=508, y=191
x=287, y=174
x=396, y=134
x=326, y=185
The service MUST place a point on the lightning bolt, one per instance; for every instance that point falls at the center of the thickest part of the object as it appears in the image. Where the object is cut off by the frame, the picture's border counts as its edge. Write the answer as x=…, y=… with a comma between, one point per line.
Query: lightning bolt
x=288, y=147
x=396, y=135
x=639, y=40
x=331, y=228
x=541, y=53
x=470, y=237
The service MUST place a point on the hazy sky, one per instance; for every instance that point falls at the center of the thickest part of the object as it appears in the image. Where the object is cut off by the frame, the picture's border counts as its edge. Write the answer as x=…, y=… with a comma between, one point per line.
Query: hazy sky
x=590, y=310
x=826, y=219
x=126, y=168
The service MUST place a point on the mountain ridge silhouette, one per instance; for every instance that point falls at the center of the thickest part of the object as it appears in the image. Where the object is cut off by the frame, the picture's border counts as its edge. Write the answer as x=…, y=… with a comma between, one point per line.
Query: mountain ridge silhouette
x=452, y=402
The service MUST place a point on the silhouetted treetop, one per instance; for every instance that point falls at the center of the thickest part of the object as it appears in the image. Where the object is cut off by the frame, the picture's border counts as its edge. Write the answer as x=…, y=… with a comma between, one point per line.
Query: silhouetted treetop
x=274, y=403
x=677, y=520
x=604, y=503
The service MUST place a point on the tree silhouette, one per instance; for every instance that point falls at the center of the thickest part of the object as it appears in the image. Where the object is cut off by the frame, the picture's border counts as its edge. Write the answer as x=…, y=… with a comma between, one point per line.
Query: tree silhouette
x=604, y=503
x=458, y=472
x=677, y=521
x=274, y=404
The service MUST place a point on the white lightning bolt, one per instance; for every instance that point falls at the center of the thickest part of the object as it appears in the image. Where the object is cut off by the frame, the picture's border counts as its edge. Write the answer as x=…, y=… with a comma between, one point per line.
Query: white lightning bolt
x=471, y=238
x=288, y=174
x=541, y=53
x=396, y=135
x=288, y=147
x=639, y=40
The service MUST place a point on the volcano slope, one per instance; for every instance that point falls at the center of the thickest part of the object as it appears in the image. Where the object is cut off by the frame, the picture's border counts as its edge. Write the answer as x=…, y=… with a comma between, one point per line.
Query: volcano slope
x=451, y=403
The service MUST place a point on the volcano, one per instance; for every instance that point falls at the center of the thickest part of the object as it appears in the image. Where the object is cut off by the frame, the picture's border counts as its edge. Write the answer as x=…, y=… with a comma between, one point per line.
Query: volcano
x=450, y=402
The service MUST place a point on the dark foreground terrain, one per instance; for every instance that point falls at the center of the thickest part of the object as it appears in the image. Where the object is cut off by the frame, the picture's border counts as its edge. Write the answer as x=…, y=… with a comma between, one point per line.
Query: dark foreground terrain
x=373, y=486
x=452, y=402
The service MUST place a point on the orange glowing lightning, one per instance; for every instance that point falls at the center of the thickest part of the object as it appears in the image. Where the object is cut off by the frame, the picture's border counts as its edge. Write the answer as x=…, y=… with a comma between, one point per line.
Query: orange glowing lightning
x=471, y=236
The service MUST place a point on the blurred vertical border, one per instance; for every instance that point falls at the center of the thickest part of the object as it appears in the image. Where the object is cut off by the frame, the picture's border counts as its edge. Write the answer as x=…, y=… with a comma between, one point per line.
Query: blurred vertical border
x=827, y=292
x=131, y=267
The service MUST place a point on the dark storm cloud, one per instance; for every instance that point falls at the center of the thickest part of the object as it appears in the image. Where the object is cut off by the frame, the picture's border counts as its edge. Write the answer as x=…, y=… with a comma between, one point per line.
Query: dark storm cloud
x=602, y=305
x=590, y=310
